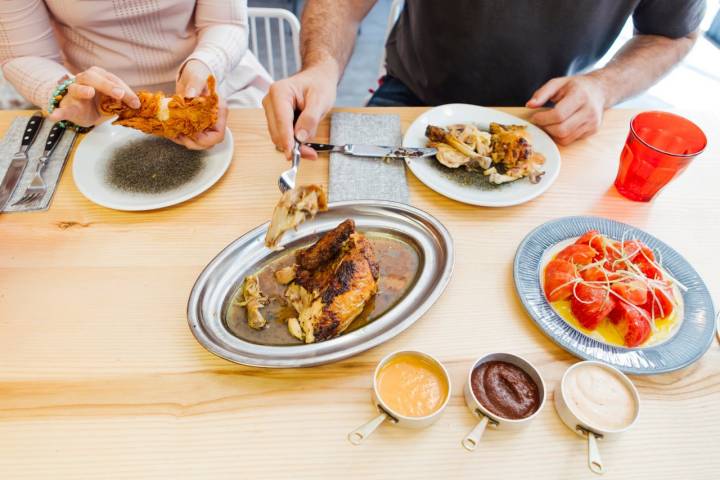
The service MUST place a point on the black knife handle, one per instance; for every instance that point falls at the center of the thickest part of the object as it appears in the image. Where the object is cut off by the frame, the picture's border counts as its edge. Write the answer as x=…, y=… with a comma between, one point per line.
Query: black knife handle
x=53, y=138
x=31, y=129
x=320, y=147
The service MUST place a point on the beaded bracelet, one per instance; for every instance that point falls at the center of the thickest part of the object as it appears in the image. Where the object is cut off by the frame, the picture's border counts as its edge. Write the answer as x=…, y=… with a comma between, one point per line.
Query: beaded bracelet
x=57, y=95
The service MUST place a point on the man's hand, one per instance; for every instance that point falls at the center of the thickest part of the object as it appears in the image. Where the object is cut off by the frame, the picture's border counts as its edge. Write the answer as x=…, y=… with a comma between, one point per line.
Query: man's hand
x=312, y=92
x=80, y=104
x=579, y=100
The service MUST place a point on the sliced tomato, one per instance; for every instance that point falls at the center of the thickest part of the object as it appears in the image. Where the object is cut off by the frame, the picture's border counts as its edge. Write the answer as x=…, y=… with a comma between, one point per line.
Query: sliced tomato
x=590, y=305
x=636, y=248
x=577, y=254
x=660, y=302
x=593, y=274
x=634, y=291
x=559, y=275
x=589, y=237
x=633, y=323
x=597, y=274
x=647, y=268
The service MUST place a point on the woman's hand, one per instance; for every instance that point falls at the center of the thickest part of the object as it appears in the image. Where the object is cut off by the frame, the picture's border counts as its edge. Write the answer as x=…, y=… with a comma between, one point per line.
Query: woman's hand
x=209, y=137
x=193, y=79
x=80, y=104
x=193, y=82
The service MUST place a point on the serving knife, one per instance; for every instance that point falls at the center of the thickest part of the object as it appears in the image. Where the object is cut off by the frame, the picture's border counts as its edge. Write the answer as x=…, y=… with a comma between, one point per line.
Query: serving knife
x=19, y=160
x=374, y=150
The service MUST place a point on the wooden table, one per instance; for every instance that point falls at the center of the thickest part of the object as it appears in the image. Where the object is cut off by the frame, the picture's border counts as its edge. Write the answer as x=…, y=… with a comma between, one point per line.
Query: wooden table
x=101, y=378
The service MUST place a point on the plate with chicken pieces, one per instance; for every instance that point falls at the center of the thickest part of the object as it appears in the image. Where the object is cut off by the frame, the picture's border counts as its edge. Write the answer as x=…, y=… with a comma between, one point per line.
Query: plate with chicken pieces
x=485, y=157
x=320, y=282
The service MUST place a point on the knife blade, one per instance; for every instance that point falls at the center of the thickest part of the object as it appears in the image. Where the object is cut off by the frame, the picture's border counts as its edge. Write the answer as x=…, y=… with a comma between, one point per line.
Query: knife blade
x=374, y=150
x=19, y=160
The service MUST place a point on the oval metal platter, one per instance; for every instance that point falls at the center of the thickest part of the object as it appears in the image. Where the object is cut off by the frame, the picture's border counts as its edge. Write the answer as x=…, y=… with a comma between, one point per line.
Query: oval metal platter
x=692, y=338
x=216, y=285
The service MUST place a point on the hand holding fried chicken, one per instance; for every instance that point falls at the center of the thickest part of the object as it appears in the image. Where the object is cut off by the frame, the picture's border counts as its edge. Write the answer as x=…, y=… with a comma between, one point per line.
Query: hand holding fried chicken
x=188, y=121
x=81, y=104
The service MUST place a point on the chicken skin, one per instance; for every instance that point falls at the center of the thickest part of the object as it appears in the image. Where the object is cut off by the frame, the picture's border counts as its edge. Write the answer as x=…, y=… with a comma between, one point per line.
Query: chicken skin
x=167, y=117
x=334, y=280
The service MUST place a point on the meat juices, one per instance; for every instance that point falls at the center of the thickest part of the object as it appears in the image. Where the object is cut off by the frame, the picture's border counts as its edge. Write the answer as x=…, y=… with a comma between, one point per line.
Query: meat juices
x=505, y=390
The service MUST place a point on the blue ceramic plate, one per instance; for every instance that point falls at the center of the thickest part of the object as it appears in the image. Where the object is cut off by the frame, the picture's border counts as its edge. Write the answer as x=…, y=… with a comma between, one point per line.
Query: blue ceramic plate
x=691, y=339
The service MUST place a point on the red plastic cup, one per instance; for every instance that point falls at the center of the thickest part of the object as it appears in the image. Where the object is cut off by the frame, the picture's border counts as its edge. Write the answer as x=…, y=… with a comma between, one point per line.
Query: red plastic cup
x=659, y=147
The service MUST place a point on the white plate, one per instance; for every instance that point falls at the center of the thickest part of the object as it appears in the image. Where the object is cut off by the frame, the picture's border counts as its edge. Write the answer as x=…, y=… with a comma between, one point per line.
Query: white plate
x=96, y=150
x=513, y=193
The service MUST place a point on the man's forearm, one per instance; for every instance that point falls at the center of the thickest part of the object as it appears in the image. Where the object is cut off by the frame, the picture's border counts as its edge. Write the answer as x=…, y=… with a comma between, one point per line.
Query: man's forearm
x=328, y=32
x=640, y=63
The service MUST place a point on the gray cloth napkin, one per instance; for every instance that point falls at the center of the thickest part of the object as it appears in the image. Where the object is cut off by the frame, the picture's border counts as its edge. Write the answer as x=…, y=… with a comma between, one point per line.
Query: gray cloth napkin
x=11, y=143
x=361, y=178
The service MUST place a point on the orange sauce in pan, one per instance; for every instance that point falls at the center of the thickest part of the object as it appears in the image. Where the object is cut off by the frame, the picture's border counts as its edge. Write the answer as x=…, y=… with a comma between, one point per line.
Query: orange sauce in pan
x=412, y=386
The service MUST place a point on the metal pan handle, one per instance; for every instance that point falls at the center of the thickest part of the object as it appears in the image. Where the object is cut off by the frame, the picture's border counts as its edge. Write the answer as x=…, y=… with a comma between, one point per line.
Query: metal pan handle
x=595, y=463
x=471, y=441
x=361, y=433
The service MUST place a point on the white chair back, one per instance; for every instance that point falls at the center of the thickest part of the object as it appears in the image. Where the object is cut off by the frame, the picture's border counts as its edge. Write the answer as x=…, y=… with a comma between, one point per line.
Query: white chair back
x=272, y=38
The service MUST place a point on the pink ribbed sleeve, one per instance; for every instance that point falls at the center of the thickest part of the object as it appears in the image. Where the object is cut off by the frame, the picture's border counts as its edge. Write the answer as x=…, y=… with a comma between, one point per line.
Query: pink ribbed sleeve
x=222, y=34
x=29, y=54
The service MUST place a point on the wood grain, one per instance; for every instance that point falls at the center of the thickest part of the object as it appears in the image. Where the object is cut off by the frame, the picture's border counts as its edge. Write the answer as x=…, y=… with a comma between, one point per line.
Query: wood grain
x=101, y=378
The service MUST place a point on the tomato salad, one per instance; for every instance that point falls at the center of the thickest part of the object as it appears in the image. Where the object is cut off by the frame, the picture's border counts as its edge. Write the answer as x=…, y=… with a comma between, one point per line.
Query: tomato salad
x=613, y=286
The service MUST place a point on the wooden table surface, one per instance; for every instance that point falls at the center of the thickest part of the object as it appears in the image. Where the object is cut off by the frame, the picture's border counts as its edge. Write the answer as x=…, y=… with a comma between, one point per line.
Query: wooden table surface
x=100, y=376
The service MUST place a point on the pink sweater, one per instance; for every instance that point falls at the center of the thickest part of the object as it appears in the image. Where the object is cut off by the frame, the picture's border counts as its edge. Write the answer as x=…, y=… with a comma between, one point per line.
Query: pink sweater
x=144, y=42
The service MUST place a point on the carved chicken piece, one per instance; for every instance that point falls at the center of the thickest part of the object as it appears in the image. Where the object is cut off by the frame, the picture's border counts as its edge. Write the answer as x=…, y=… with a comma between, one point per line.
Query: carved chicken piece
x=167, y=117
x=295, y=206
x=253, y=301
x=334, y=280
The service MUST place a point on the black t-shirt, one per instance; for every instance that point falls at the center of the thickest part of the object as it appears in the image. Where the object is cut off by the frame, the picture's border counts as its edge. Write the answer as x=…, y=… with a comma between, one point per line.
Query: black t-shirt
x=493, y=52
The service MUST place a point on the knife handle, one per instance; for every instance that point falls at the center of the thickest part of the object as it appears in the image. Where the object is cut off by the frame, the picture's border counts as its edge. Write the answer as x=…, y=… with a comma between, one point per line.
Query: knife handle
x=53, y=138
x=31, y=130
x=321, y=147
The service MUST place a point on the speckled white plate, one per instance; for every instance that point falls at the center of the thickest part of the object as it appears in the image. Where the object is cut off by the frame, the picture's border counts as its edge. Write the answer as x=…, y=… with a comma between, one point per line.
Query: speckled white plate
x=96, y=149
x=692, y=338
x=437, y=177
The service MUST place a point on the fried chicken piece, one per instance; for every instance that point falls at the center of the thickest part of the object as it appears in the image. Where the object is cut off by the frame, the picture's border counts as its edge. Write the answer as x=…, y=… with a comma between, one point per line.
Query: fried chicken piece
x=295, y=206
x=167, y=117
x=335, y=279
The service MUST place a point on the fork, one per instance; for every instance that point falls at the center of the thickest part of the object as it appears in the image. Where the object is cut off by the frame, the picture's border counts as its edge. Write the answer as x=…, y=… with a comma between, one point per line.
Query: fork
x=287, y=178
x=37, y=188
x=286, y=181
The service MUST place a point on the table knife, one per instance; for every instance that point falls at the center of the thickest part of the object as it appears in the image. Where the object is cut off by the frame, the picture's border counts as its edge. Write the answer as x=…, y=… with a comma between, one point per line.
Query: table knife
x=19, y=160
x=374, y=150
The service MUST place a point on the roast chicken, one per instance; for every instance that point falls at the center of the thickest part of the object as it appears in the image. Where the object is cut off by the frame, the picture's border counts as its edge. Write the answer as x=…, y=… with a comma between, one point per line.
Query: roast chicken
x=330, y=283
x=168, y=117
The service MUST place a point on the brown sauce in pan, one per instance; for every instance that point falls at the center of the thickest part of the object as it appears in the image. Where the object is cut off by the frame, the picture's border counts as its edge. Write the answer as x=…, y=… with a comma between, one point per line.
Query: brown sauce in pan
x=505, y=389
x=399, y=265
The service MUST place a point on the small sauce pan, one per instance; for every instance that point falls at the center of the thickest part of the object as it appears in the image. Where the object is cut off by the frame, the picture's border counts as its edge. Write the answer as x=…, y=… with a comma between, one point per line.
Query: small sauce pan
x=386, y=413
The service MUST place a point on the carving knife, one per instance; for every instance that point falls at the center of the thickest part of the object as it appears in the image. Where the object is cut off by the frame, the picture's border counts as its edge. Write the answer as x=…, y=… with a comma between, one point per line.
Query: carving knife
x=19, y=160
x=374, y=150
